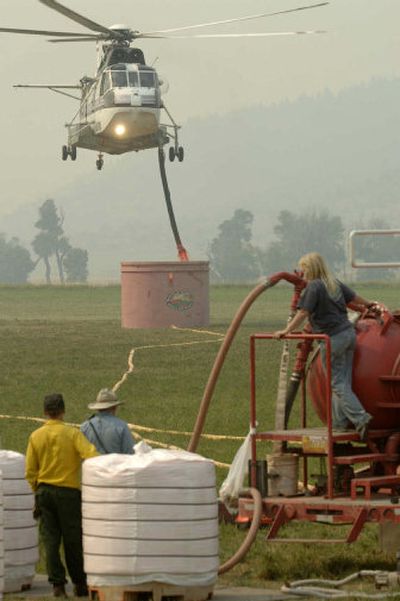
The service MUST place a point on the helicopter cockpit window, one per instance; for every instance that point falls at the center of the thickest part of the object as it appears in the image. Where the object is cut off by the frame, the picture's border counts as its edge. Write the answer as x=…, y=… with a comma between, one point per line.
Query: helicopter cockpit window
x=133, y=79
x=147, y=80
x=119, y=79
x=105, y=83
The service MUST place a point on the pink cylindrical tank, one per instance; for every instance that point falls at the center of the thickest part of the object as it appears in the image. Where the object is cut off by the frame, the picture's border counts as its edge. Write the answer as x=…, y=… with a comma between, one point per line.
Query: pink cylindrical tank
x=162, y=294
x=376, y=372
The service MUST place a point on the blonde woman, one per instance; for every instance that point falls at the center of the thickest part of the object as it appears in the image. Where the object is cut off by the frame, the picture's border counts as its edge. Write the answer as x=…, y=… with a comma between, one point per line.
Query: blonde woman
x=323, y=303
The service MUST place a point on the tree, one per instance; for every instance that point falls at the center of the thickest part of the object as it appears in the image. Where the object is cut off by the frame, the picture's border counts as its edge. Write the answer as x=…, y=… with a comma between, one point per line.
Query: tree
x=51, y=242
x=75, y=265
x=233, y=258
x=43, y=247
x=15, y=262
x=62, y=248
x=297, y=235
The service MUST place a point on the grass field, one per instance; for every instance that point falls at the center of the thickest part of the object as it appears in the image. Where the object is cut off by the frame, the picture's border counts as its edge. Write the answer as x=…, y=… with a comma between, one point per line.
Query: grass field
x=69, y=340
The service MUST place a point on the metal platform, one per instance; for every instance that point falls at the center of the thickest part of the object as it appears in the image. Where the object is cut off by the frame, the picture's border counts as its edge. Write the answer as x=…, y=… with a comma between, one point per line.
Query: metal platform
x=358, y=481
x=320, y=433
x=343, y=510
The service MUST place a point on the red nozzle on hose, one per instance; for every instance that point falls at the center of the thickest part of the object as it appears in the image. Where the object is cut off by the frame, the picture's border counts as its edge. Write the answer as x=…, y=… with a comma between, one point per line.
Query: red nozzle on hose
x=293, y=278
x=182, y=254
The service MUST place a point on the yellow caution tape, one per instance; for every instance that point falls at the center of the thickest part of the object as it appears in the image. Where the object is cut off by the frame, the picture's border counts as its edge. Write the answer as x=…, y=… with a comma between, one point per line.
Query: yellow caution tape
x=131, y=366
x=183, y=433
x=135, y=434
x=132, y=427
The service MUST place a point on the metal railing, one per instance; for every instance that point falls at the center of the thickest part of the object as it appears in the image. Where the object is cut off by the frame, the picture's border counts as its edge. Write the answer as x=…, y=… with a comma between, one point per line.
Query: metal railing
x=328, y=400
x=370, y=264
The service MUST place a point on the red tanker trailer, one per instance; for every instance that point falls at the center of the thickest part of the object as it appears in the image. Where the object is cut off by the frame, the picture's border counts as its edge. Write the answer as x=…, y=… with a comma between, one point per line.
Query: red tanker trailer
x=359, y=481
x=376, y=371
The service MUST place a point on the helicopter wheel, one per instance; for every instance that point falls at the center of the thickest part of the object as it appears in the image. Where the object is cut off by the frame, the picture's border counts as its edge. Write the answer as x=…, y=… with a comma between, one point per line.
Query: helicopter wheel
x=99, y=164
x=172, y=153
x=64, y=153
x=73, y=153
x=181, y=154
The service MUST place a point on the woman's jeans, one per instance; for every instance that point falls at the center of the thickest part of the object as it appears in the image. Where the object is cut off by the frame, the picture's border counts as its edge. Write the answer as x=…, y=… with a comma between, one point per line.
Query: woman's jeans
x=345, y=404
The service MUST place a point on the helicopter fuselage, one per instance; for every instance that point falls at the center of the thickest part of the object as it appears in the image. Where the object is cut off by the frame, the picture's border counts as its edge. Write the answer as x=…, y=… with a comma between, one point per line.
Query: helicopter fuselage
x=120, y=107
x=119, y=111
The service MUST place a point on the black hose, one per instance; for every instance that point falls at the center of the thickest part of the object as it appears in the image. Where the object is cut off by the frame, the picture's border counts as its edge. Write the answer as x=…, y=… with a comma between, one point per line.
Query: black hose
x=293, y=387
x=181, y=249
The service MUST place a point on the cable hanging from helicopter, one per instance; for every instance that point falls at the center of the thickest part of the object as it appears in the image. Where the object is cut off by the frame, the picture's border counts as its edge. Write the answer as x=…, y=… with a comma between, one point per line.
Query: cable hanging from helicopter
x=120, y=107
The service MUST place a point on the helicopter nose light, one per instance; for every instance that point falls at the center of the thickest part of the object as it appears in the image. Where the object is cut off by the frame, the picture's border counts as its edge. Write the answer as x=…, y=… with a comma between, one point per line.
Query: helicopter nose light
x=120, y=129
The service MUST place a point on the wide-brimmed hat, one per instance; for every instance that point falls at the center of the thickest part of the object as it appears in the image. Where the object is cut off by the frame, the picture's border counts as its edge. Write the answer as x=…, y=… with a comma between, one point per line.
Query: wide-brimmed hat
x=105, y=399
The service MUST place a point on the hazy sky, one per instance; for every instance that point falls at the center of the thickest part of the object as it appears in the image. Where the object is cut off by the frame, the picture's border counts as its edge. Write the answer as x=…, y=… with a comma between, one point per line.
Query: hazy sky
x=205, y=76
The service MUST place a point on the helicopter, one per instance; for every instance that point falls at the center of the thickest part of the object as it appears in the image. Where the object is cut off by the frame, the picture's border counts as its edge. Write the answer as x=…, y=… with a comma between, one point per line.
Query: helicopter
x=120, y=107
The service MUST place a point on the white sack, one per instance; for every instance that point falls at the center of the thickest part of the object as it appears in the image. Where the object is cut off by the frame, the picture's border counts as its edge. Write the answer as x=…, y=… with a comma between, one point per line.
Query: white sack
x=151, y=516
x=233, y=483
x=1, y=538
x=20, y=529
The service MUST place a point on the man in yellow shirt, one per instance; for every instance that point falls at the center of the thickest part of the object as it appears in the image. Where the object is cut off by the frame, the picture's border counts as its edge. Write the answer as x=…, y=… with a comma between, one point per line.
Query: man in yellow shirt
x=53, y=465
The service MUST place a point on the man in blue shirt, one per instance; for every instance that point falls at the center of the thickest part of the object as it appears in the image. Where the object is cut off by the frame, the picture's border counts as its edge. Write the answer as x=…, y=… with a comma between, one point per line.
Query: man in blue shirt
x=107, y=432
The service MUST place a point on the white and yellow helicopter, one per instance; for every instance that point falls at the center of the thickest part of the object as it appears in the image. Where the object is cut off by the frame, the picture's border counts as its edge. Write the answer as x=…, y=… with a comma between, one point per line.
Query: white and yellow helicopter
x=120, y=107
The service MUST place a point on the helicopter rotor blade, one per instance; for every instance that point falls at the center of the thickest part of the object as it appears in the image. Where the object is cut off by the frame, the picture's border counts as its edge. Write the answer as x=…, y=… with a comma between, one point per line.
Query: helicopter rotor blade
x=47, y=86
x=235, y=20
x=74, y=16
x=42, y=32
x=84, y=38
x=234, y=35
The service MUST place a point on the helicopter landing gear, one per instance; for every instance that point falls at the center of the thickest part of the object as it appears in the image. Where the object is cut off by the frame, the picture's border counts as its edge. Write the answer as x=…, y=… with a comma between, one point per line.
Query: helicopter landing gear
x=176, y=152
x=100, y=162
x=68, y=151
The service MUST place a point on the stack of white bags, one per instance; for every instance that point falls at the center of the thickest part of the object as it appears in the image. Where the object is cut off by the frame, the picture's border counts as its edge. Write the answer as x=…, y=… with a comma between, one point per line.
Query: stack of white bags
x=1, y=539
x=150, y=517
x=20, y=529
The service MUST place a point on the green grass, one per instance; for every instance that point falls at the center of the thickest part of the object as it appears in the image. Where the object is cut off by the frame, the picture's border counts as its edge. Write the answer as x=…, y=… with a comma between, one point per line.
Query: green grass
x=69, y=340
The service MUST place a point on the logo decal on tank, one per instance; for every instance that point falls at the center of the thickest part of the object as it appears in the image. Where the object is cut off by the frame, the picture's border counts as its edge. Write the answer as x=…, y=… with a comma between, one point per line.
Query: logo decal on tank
x=180, y=300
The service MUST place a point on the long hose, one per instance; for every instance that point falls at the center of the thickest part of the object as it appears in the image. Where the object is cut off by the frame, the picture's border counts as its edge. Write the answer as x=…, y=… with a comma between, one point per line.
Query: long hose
x=328, y=589
x=208, y=392
x=219, y=361
x=251, y=535
x=225, y=346
x=183, y=256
